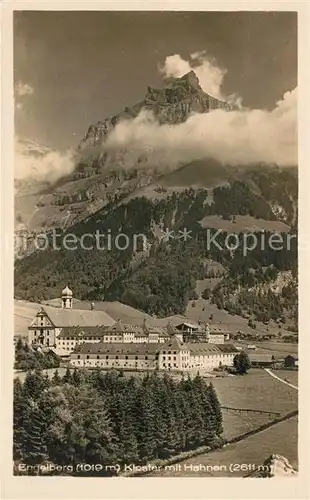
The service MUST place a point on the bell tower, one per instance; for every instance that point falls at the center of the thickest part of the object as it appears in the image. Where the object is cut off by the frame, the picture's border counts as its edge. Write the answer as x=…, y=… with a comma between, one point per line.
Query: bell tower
x=66, y=298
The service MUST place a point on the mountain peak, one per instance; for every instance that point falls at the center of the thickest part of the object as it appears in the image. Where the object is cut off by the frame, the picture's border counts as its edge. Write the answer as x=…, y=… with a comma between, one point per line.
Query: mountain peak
x=172, y=104
x=192, y=79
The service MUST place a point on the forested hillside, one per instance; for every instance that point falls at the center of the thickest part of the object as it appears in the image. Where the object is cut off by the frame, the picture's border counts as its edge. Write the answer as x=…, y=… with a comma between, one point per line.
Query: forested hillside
x=160, y=277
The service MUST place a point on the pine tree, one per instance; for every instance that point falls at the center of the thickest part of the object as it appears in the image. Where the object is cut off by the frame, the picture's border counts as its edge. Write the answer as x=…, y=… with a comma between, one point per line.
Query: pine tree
x=216, y=407
x=146, y=426
x=76, y=377
x=35, y=445
x=208, y=413
x=21, y=412
x=56, y=380
x=178, y=404
x=34, y=384
x=157, y=392
x=67, y=378
x=128, y=442
x=198, y=421
x=98, y=379
x=101, y=441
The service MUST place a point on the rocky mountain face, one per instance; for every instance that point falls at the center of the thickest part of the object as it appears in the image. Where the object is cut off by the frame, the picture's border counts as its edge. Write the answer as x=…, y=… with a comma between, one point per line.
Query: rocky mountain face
x=100, y=179
x=172, y=105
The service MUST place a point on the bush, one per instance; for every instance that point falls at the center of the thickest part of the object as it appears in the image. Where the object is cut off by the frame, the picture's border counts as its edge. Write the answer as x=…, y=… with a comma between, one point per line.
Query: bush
x=242, y=363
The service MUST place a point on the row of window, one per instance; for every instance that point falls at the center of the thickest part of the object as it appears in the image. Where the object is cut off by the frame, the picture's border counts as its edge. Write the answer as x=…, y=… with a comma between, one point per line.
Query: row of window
x=107, y=338
x=107, y=357
x=106, y=363
x=41, y=332
x=217, y=356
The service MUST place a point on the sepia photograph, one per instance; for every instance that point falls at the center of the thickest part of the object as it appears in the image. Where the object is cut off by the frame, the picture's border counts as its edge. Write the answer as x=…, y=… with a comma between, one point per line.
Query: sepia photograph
x=155, y=244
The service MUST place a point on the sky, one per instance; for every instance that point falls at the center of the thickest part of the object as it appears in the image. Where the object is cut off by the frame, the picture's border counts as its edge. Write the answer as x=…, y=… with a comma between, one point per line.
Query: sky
x=72, y=69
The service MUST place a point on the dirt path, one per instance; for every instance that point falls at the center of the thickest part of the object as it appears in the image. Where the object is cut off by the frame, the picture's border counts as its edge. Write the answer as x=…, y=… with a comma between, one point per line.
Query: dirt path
x=280, y=379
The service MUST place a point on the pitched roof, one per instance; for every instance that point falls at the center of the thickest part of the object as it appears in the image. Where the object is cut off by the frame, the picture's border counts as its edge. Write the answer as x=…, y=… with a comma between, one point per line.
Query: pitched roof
x=84, y=331
x=209, y=348
x=188, y=325
x=227, y=348
x=294, y=356
x=116, y=348
x=77, y=317
x=60, y=351
x=101, y=331
x=173, y=343
x=260, y=358
x=203, y=348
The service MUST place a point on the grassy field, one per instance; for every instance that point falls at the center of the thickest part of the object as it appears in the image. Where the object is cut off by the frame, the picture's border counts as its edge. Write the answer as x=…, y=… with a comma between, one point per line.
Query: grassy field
x=243, y=223
x=24, y=312
x=280, y=348
x=290, y=375
x=257, y=390
x=281, y=439
x=202, y=309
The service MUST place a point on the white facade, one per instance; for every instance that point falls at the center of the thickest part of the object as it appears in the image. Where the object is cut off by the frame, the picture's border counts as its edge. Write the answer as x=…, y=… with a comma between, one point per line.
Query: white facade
x=42, y=330
x=210, y=361
x=109, y=361
x=174, y=359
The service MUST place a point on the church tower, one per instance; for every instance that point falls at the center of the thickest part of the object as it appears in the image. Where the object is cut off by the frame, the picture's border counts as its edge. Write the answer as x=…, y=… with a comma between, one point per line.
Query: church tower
x=66, y=298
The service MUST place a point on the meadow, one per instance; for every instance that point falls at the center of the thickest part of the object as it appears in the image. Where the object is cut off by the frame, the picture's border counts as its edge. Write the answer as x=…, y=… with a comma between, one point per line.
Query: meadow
x=259, y=391
x=256, y=390
x=290, y=375
x=281, y=439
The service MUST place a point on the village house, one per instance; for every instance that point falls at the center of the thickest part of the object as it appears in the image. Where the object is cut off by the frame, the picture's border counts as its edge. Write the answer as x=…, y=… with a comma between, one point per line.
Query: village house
x=201, y=332
x=188, y=327
x=262, y=360
x=291, y=360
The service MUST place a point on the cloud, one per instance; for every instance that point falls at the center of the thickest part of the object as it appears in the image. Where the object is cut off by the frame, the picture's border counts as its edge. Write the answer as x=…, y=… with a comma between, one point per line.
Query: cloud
x=241, y=136
x=32, y=161
x=22, y=93
x=210, y=75
x=23, y=89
